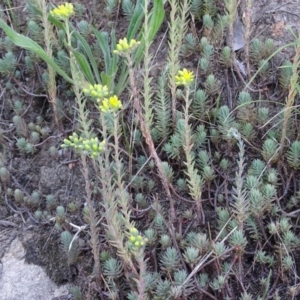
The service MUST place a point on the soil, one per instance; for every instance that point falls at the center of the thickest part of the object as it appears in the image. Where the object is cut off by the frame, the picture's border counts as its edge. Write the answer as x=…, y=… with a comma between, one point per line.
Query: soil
x=61, y=175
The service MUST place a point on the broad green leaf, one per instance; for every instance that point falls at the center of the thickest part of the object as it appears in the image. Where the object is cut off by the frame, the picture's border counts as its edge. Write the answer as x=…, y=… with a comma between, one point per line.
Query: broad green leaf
x=157, y=15
x=102, y=38
x=156, y=18
x=115, y=57
x=89, y=54
x=107, y=80
x=110, y=60
x=135, y=24
x=56, y=22
x=84, y=65
x=28, y=44
x=136, y=20
x=122, y=79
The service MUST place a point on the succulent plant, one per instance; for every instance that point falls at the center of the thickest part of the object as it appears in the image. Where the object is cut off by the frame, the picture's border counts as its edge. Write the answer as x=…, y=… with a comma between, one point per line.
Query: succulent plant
x=4, y=175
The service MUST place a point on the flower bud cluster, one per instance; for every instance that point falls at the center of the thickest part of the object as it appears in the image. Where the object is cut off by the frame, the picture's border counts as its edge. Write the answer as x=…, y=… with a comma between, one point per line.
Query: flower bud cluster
x=136, y=240
x=124, y=46
x=92, y=147
x=96, y=91
x=101, y=93
x=63, y=11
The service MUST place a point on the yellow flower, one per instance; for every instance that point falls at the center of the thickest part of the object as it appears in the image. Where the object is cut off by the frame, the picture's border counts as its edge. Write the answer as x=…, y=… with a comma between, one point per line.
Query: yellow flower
x=63, y=11
x=115, y=103
x=184, y=77
x=111, y=104
x=124, y=47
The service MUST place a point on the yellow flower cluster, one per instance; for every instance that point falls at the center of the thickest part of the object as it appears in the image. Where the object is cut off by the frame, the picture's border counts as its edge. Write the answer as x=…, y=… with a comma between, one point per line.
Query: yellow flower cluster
x=124, y=47
x=136, y=240
x=90, y=146
x=184, y=77
x=101, y=93
x=96, y=91
x=111, y=104
x=63, y=11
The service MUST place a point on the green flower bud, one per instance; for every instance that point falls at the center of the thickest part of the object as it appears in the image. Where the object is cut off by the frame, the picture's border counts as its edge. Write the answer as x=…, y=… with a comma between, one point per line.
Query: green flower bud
x=9, y=192
x=19, y=195
x=4, y=175
x=133, y=231
x=53, y=151
x=29, y=148
x=31, y=126
x=37, y=215
x=35, y=137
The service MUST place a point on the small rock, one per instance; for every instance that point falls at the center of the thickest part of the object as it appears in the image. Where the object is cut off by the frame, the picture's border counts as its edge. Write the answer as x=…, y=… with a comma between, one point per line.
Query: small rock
x=21, y=281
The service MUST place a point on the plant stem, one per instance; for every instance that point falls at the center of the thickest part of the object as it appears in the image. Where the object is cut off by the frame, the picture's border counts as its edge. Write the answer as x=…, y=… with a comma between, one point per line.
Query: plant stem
x=195, y=181
x=92, y=217
x=291, y=97
x=48, y=37
x=141, y=281
x=85, y=124
x=147, y=135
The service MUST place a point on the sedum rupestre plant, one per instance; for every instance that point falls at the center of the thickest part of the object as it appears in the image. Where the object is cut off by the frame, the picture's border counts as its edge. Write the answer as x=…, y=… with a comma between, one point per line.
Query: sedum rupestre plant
x=188, y=171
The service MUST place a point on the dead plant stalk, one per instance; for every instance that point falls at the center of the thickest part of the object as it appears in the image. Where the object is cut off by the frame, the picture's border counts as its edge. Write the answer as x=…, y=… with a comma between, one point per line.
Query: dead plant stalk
x=291, y=96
